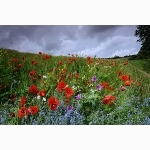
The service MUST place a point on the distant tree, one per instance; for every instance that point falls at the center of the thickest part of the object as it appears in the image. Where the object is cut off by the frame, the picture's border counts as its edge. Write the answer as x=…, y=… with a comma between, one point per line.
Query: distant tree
x=133, y=57
x=115, y=57
x=143, y=33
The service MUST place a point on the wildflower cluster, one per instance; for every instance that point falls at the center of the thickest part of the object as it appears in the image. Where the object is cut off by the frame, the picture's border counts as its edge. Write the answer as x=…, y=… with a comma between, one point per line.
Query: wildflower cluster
x=42, y=89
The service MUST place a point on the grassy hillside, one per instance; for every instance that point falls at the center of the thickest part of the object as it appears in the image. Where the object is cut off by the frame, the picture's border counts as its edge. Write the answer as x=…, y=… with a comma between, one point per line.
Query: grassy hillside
x=143, y=64
x=43, y=89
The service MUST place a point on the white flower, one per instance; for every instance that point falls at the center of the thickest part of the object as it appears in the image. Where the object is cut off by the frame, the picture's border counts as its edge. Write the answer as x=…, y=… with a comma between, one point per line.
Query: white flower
x=38, y=97
x=107, y=66
x=74, y=87
x=92, y=91
x=45, y=77
x=44, y=99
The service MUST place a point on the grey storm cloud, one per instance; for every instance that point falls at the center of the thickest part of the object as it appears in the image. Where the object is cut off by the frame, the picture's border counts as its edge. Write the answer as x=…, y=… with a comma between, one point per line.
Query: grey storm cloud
x=13, y=34
x=97, y=29
x=100, y=40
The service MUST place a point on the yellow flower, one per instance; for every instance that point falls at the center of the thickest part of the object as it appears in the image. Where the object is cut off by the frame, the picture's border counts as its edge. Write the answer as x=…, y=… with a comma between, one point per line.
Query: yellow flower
x=64, y=65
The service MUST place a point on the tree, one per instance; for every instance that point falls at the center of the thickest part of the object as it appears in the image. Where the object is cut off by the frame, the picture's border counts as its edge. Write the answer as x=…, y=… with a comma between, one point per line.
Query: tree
x=143, y=33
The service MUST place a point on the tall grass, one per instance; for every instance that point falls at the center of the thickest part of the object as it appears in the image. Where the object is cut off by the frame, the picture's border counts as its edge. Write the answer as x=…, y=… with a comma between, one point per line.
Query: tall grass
x=45, y=89
x=143, y=64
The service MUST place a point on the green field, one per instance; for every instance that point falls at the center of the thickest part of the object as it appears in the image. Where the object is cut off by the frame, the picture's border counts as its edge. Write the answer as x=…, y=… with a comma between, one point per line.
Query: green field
x=142, y=64
x=38, y=89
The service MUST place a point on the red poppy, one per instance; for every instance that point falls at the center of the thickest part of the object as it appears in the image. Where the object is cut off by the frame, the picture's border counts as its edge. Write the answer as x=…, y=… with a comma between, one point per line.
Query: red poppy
x=76, y=75
x=32, y=61
x=33, y=89
x=73, y=59
x=88, y=57
x=127, y=83
x=119, y=73
x=125, y=63
x=40, y=53
x=102, y=62
x=53, y=103
x=104, y=84
x=110, y=88
x=33, y=110
x=41, y=93
x=35, y=63
x=124, y=77
x=109, y=99
x=68, y=92
x=46, y=56
x=64, y=70
x=89, y=61
x=15, y=59
x=61, y=85
x=20, y=65
x=12, y=114
x=59, y=63
x=32, y=73
x=16, y=69
x=22, y=112
x=23, y=58
x=23, y=100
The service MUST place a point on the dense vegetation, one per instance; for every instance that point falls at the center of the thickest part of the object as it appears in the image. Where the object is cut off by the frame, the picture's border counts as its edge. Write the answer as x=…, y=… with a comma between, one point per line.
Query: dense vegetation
x=45, y=89
x=143, y=33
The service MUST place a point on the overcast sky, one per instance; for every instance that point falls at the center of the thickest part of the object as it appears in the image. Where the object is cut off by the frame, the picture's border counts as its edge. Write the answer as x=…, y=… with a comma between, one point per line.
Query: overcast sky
x=100, y=40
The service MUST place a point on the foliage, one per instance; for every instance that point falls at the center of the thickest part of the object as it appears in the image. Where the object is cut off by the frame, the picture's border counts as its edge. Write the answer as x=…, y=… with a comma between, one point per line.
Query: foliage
x=143, y=33
x=142, y=64
x=43, y=89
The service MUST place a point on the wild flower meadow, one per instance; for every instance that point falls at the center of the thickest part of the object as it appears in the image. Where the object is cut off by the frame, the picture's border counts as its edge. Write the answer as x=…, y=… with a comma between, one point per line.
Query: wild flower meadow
x=41, y=89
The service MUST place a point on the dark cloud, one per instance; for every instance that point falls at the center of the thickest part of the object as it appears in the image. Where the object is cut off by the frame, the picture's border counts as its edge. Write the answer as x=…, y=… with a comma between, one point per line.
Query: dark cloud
x=92, y=30
x=64, y=39
x=11, y=35
x=14, y=33
x=99, y=31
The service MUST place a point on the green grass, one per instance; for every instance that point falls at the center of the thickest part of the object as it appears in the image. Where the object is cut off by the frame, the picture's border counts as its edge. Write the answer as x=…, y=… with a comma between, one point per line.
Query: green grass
x=127, y=107
x=142, y=64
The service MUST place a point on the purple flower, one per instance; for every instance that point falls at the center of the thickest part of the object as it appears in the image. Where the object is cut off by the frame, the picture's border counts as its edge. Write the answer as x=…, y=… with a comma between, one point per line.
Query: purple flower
x=78, y=96
x=94, y=79
x=69, y=108
x=99, y=87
